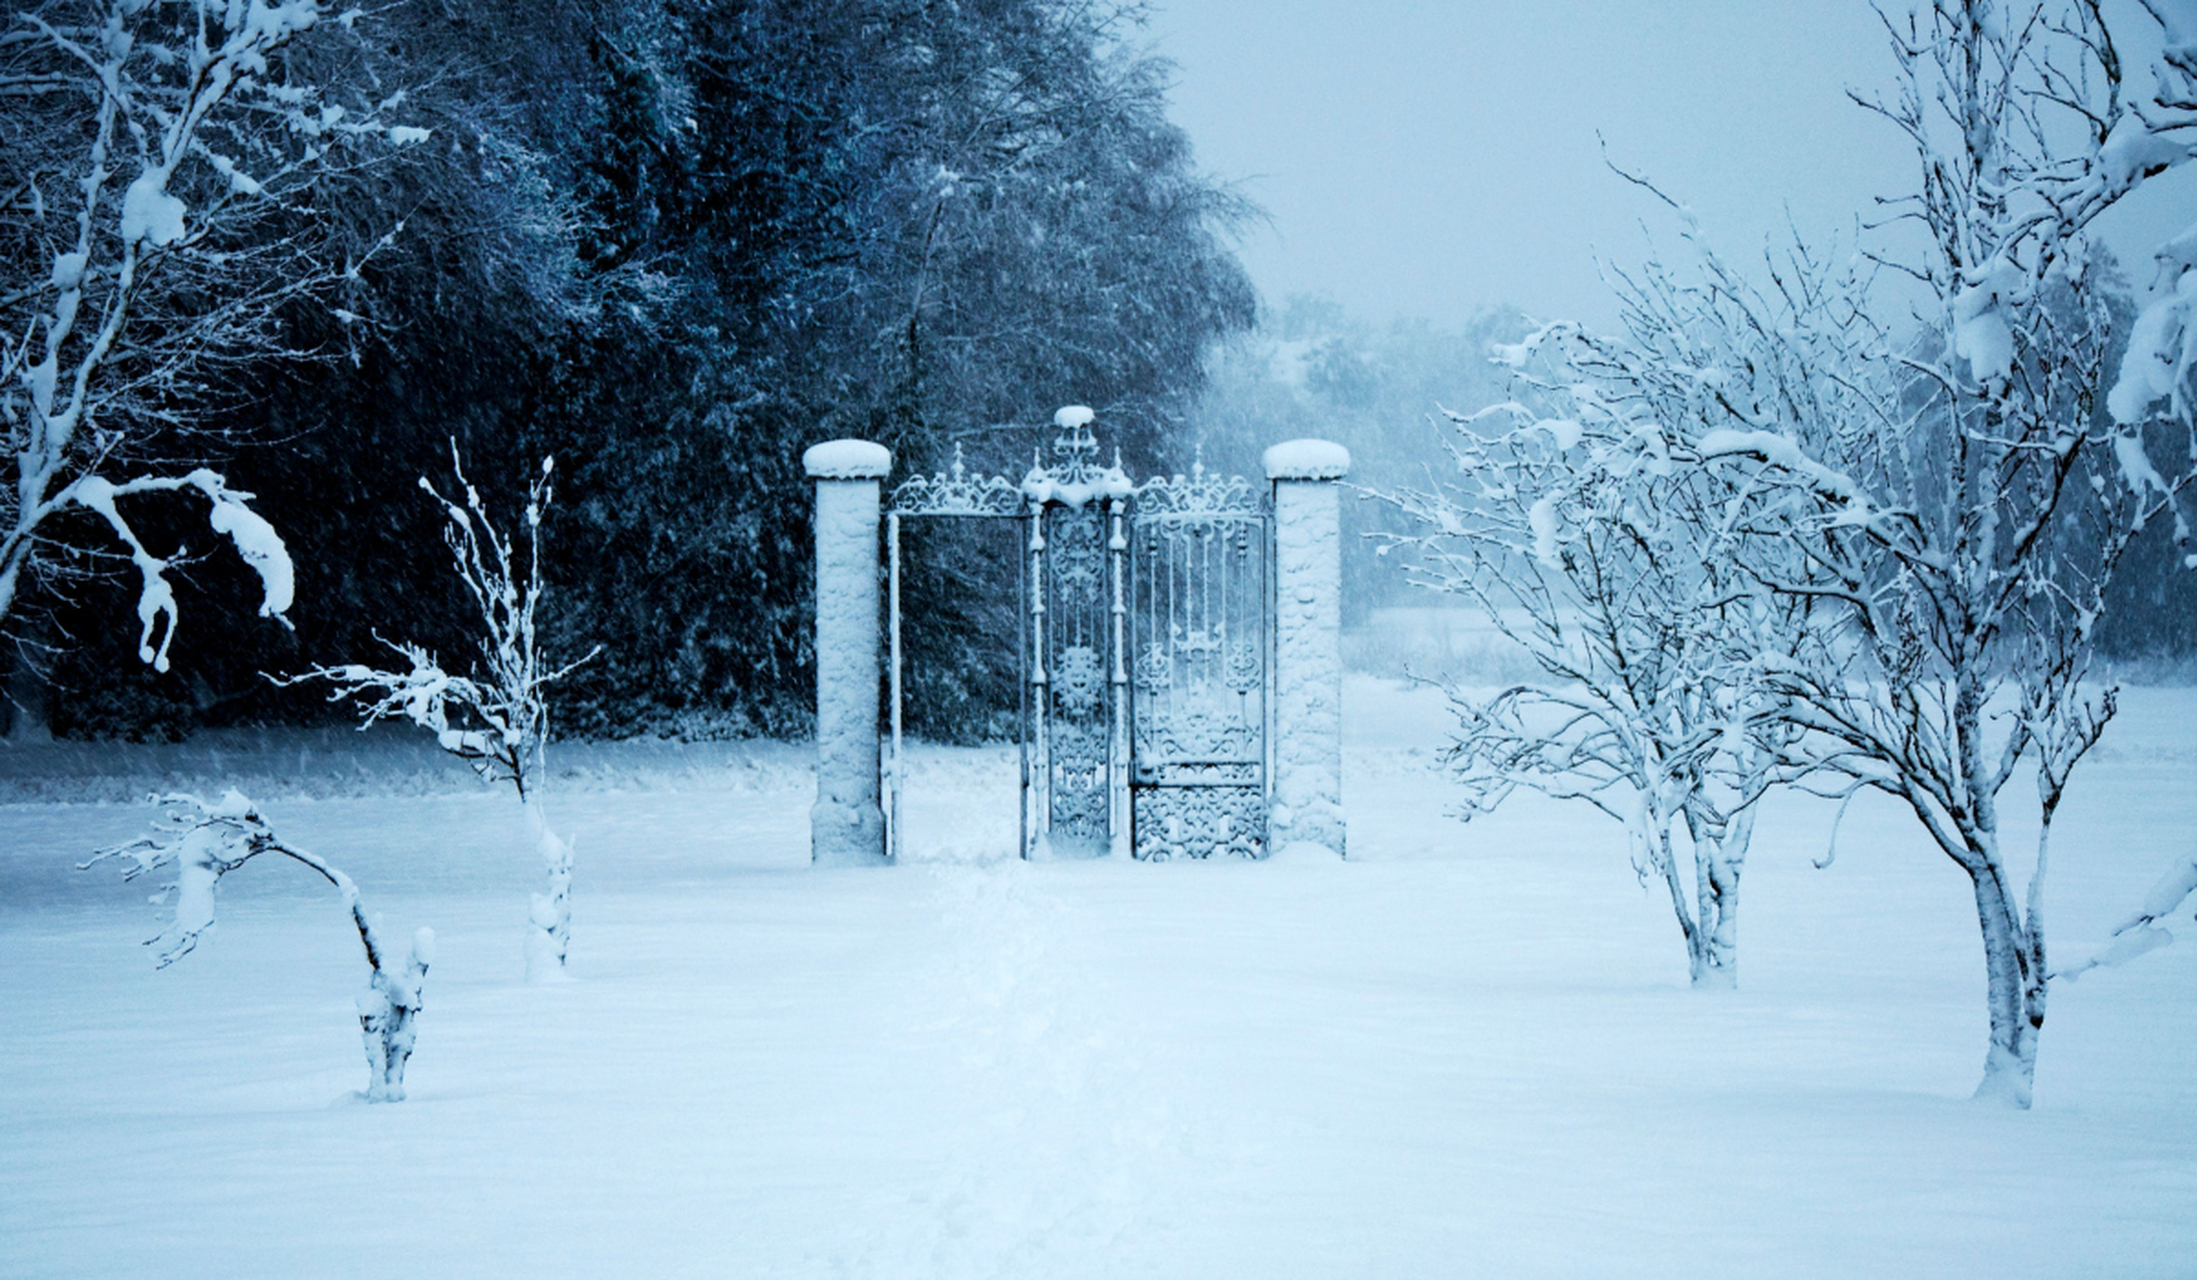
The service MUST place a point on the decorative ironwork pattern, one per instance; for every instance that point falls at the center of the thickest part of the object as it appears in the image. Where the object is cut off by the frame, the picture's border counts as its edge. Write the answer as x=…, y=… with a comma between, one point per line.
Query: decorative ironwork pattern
x=1079, y=765
x=1198, y=692
x=956, y=493
x=1078, y=682
x=1076, y=552
x=1200, y=822
x=1238, y=773
x=1200, y=667
x=1199, y=497
x=1075, y=479
x=1079, y=710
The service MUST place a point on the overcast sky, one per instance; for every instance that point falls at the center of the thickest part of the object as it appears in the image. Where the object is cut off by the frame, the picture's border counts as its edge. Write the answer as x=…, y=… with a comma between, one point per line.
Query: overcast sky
x=1428, y=159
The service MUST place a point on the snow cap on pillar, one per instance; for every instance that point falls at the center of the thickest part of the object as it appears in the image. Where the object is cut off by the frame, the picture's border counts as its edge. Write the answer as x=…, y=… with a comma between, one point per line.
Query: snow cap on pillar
x=1307, y=460
x=847, y=460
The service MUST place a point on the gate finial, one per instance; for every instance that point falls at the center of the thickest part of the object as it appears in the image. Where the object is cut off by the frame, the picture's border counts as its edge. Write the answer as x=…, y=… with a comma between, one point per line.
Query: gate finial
x=1075, y=477
x=1075, y=449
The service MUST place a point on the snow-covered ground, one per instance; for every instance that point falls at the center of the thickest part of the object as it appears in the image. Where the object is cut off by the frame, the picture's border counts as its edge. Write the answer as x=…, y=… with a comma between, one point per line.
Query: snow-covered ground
x=1469, y=1052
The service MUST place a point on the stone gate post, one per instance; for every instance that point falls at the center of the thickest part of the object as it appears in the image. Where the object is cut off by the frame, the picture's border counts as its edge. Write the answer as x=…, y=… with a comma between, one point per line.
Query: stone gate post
x=1308, y=661
x=846, y=827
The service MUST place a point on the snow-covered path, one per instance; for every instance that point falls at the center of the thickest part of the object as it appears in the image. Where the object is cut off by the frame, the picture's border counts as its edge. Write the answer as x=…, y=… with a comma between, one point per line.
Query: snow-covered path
x=1471, y=1053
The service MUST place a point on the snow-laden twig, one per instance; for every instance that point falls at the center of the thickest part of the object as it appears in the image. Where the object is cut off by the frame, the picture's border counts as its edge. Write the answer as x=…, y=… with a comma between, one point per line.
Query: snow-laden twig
x=2160, y=363
x=202, y=842
x=2140, y=932
x=496, y=719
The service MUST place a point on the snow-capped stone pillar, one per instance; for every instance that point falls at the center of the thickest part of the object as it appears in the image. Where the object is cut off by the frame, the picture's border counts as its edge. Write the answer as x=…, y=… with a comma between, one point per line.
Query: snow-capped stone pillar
x=846, y=828
x=1308, y=650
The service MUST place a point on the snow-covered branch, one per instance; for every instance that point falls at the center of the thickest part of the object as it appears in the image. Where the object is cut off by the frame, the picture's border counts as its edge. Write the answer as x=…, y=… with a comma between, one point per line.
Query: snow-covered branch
x=2140, y=932
x=255, y=540
x=160, y=176
x=202, y=842
x=2161, y=360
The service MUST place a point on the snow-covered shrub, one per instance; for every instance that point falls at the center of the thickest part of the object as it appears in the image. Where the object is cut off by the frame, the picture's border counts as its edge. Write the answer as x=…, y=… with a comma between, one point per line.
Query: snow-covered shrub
x=203, y=842
x=497, y=719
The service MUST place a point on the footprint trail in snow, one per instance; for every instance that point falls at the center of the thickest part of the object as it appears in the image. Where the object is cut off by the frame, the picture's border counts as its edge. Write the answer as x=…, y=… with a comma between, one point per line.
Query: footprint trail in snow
x=1054, y=1148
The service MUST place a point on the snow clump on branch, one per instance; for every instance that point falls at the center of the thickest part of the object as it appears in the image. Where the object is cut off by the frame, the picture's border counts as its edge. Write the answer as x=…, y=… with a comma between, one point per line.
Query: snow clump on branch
x=2147, y=139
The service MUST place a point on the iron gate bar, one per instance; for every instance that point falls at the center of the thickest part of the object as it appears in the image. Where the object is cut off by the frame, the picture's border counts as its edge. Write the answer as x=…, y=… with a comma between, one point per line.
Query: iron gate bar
x=1038, y=808
x=892, y=633
x=1119, y=812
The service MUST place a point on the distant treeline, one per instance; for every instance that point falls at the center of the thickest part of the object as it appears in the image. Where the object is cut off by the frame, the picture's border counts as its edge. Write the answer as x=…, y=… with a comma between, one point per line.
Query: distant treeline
x=672, y=242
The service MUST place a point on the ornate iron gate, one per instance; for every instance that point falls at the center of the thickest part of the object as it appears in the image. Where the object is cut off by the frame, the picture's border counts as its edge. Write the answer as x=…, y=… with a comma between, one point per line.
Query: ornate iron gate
x=1144, y=652
x=945, y=494
x=1199, y=672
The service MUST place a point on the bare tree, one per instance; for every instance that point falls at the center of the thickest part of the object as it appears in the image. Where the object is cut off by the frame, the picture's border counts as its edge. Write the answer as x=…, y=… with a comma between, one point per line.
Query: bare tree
x=157, y=163
x=202, y=843
x=1579, y=537
x=497, y=719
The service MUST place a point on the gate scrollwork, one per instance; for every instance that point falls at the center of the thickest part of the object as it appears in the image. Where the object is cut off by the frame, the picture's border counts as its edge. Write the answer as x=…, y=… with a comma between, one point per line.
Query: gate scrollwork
x=956, y=493
x=1199, y=615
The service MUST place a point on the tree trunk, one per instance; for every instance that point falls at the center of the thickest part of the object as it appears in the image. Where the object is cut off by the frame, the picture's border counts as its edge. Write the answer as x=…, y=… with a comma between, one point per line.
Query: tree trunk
x=1712, y=935
x=549, y=918
x=1718, y=857
x=387, y=1011
x=1651, y=835
x=2016, y=997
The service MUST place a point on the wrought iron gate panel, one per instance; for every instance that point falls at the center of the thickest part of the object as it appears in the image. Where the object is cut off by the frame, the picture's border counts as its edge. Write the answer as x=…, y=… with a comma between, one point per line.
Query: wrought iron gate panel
x=1199, y=647
x=1075, y=800
x=1075, y=653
